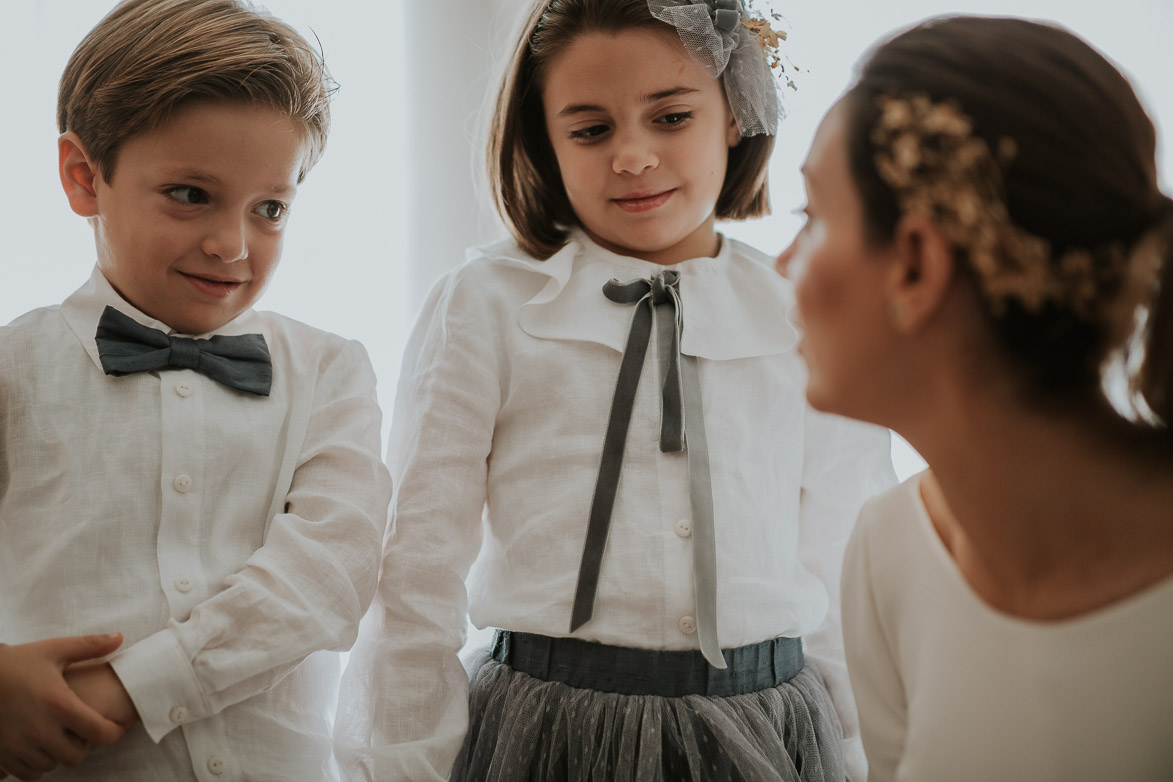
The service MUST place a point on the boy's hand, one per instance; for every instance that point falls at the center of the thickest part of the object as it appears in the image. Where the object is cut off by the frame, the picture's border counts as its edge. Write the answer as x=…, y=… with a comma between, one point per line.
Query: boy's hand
x=101, y=689
x=43, y=723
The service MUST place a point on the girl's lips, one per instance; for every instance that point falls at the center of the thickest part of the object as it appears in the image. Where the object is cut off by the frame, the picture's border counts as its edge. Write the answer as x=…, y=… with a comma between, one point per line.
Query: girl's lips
x=643, y=203
x=219, y=289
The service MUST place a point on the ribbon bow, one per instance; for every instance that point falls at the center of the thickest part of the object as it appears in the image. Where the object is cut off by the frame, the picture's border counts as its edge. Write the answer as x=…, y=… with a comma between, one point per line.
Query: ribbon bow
x=126, y=347
x=680, y=398
x=726, y=16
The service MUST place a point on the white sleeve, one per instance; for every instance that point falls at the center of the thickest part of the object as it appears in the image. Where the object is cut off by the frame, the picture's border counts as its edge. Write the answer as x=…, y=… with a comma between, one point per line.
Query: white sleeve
x=404, y=705
x=879, y=691
x=304, y=590
x=844, y=463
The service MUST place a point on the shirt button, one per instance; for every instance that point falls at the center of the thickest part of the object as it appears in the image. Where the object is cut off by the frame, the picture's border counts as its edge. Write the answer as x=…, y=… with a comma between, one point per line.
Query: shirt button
x=183, y=585
x=684, y=528
x=217, y=765
x=183, y=389
x=179, y=715
x=687, y=625
x=182, y=483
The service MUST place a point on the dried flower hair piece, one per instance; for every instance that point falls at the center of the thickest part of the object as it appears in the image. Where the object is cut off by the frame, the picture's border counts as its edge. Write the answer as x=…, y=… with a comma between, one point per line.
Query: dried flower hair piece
x=927, y=153
x=739, y=48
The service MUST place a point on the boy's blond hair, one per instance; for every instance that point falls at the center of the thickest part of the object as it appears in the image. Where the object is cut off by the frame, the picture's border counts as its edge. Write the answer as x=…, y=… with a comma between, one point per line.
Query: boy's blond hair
x=148, y=57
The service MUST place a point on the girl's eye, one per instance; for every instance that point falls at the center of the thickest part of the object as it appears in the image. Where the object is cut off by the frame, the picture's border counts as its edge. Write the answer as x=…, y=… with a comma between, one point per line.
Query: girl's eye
x=675, y=118
x=272, y=210
x=185, y=194
x=594, y=131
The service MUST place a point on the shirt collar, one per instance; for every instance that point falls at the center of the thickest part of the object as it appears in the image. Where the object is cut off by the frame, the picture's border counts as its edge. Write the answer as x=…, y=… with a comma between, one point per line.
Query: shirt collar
x=84, y=308
x=735, y=306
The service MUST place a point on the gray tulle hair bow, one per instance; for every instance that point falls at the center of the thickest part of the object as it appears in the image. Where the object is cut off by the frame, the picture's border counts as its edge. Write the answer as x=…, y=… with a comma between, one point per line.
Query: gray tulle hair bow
x=714, y=37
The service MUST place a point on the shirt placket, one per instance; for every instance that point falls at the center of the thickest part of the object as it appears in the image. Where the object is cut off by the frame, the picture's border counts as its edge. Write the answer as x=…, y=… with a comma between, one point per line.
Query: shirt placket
x=181, y=568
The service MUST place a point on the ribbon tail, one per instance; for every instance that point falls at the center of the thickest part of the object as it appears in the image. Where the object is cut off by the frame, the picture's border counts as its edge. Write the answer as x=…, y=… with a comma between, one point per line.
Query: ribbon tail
x=607, y=485
x=700, y=489
x=672, y=414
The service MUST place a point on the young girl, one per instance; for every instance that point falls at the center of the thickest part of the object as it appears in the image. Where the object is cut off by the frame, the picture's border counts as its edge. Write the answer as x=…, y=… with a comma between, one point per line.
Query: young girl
x=661, y=532
x=985, y=227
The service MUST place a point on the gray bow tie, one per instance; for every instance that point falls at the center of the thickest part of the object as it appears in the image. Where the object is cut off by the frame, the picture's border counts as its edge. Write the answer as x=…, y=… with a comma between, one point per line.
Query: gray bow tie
x=126, y=347
x=657, y=303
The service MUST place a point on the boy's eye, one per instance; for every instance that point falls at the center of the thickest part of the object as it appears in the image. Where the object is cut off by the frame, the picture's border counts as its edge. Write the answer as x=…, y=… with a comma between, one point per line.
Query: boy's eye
x=675, y=118
x=272, y=210
x=593, y=131
x=185, y=194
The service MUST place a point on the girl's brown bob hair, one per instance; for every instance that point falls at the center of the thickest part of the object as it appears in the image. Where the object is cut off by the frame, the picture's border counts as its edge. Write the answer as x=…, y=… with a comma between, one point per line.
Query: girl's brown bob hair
x=523, y=172
x=147, y=57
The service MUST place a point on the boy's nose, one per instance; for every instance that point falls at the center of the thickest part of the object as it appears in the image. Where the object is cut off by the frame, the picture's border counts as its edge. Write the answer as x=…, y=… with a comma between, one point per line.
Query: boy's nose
x=226, y=240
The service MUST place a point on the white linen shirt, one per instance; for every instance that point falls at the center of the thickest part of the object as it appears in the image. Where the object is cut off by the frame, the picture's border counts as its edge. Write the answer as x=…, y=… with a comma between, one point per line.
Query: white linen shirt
x=502, y=405
x=229, y=537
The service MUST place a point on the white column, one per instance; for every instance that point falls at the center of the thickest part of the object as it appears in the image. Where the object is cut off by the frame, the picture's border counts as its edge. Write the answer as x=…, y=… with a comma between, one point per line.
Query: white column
x=453, y=53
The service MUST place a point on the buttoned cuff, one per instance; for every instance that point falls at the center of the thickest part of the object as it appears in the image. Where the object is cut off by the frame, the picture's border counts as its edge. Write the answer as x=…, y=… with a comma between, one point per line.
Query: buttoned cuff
x=159, y=678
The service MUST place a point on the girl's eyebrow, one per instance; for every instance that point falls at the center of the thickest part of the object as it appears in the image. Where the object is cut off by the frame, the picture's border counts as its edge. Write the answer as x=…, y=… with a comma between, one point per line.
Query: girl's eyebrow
x=582, y=108
x=655, y=96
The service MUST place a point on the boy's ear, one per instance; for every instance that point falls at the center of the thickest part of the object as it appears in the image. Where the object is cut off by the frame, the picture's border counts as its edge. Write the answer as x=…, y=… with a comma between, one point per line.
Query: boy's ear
x=921, y=273
x=78, y=175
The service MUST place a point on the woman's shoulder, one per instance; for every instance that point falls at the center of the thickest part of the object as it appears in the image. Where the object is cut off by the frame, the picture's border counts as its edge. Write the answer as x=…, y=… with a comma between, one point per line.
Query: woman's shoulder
x=889, y=523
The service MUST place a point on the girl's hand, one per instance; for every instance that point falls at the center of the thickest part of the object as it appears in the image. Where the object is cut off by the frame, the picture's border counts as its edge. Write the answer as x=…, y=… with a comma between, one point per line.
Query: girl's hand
x=43, y=723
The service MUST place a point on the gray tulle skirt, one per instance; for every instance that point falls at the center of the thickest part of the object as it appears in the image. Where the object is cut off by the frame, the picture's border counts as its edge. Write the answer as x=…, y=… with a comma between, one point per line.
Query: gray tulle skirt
x=524, y=729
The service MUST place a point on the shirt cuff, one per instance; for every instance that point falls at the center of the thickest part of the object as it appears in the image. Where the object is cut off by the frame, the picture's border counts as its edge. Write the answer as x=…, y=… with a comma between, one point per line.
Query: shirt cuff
x=161, y=683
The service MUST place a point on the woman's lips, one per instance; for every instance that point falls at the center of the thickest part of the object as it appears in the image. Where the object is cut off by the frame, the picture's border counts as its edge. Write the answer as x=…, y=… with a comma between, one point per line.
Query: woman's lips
x=213, y=286
x=642, y=202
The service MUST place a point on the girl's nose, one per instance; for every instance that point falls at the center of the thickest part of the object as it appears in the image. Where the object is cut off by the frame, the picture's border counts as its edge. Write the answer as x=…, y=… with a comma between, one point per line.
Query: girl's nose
x=226, y=239
x=634, y=154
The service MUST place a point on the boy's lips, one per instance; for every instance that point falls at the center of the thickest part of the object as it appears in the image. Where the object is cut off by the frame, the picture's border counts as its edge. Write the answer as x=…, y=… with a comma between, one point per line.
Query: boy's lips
x=643, y=201
x=212, y=285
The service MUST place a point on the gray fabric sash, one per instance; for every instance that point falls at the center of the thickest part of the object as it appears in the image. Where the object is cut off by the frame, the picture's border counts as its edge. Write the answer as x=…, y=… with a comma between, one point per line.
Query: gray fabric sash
x=657, y=306
x=126, y=347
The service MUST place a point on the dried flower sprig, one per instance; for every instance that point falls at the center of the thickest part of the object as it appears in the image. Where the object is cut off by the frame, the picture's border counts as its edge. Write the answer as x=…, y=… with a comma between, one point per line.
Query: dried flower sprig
x=928, y=155
x=771, y=37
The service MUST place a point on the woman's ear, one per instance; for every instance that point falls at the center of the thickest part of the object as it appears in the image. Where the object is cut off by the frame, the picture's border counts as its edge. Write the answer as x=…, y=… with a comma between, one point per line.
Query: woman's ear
x=78, y=175
x=920, y=275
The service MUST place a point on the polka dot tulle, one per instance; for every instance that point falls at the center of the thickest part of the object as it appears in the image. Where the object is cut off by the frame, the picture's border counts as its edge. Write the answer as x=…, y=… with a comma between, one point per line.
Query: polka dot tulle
x=523, y=729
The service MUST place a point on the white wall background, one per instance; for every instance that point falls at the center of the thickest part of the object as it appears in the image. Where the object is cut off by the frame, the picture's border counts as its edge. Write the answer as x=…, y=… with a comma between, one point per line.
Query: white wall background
x=393, y=202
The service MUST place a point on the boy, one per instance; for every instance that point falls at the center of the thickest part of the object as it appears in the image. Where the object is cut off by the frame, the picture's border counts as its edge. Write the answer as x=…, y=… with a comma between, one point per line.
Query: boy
x=220, y=500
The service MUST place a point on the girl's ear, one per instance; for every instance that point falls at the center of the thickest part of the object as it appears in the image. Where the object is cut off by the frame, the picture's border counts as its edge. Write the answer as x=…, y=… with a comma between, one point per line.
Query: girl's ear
x=78, y=175
x=732, y=133
x=921, y=273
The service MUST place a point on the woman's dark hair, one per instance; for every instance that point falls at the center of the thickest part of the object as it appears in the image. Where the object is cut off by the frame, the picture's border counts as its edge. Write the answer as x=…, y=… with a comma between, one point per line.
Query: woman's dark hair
x=523, y=172
x=1084, y=177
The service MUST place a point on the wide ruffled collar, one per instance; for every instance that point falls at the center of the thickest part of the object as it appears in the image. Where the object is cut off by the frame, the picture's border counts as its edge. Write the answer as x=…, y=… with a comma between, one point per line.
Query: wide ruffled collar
x=735, y=306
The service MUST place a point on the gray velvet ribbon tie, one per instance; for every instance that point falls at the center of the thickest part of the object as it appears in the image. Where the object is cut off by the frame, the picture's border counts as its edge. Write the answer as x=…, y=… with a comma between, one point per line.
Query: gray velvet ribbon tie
x=126, y=347
x=682, y=430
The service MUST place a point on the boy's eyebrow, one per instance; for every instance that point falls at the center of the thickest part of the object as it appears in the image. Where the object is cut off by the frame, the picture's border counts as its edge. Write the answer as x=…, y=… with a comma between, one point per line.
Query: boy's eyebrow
x=202, y=177
x=582, y=108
